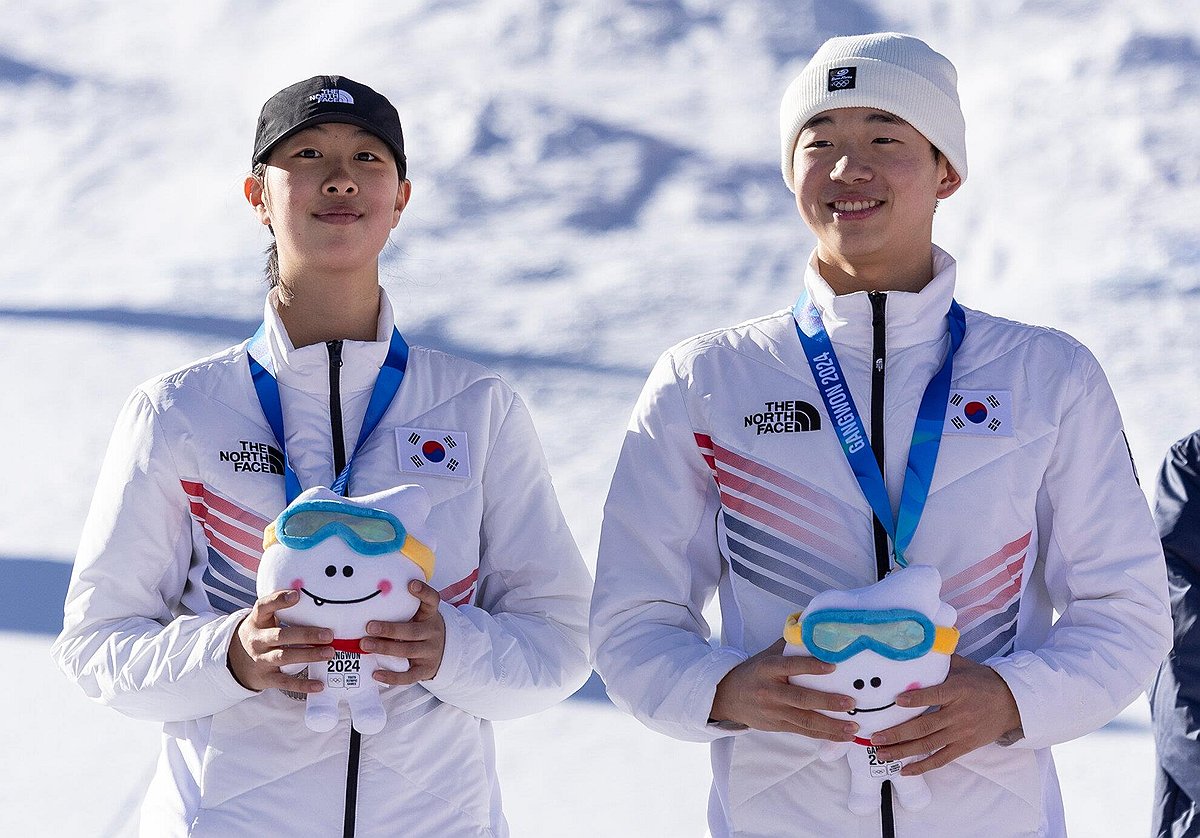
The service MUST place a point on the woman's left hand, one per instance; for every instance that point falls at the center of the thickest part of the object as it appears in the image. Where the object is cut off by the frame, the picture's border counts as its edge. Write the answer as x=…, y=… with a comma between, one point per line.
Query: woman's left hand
x=422, y=640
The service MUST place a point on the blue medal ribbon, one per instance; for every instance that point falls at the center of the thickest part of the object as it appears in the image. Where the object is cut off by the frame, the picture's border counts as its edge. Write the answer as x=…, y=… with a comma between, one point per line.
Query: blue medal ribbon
x=387, y=384
x=847, y=422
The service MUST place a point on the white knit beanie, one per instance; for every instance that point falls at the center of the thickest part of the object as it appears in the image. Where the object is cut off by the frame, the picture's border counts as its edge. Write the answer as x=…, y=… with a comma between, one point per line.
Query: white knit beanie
x=896, y=73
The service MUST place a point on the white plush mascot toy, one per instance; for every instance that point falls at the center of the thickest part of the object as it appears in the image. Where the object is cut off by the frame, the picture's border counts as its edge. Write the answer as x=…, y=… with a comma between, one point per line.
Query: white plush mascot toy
x=352, y=560
x=884, y=639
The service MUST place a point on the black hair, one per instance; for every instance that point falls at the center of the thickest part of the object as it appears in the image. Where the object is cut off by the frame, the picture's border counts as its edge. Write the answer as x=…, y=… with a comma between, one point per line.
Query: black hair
x=271, y=268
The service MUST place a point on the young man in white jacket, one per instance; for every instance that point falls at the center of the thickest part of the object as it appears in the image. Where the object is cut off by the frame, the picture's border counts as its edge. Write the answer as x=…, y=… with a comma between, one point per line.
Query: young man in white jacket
x=740, y=476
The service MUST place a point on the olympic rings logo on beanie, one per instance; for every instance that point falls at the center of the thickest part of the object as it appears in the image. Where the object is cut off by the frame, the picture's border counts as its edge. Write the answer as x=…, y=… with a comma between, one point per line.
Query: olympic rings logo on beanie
x=890, y=71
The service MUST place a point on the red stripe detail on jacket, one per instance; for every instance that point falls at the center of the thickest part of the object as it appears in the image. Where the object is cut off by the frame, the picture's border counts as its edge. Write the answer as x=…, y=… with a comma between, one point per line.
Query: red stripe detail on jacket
x=994, y=605
x=728, y=480
x=788, y=528
x=225, y=507
x=782, y=481
x=992, y=562
x=232, y=542
x=1011, y=571
x=451, y=591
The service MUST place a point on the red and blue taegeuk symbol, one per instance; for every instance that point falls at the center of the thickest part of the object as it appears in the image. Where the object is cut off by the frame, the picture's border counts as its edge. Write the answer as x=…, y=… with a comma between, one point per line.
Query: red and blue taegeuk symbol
x=435, y=452
x=975, y=412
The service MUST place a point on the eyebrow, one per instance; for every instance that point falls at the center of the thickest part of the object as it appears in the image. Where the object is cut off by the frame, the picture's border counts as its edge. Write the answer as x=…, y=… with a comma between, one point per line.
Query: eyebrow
x=878, y=116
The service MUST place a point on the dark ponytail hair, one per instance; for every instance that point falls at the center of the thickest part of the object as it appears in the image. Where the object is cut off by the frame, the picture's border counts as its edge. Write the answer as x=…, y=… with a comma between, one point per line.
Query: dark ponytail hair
x=271, y=268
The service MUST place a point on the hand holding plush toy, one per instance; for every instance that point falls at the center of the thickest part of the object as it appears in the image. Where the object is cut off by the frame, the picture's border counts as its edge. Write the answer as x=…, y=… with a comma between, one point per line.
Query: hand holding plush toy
x=352, y=560
x=885, y=639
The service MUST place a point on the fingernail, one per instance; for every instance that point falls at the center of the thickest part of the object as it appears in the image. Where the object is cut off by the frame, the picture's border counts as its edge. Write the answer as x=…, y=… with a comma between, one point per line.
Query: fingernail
x=326, y=636
x=850, y=728
x=881, y=739
x=846, y=704
x=373, y=627
x=414, y=586
x=367, y=645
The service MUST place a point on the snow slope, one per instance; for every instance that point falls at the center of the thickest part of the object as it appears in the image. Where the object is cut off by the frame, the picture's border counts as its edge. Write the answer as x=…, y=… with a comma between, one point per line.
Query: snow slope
x=592, y=182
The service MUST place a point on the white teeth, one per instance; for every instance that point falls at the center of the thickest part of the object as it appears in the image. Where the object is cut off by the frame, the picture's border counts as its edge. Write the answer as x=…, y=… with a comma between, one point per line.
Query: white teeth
x=854, y=206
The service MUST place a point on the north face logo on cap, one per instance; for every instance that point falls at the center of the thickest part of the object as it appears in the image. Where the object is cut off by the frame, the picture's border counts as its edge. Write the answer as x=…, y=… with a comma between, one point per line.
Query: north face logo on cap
x=333, y=95
x=842, y=78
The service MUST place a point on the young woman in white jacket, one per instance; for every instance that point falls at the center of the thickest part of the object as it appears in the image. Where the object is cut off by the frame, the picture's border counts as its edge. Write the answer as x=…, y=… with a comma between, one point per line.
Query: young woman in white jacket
x=162, y=622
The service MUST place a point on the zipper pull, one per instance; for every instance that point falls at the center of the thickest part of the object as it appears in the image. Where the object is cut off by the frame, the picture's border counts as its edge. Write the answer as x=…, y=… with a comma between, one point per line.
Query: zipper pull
x=335, y=352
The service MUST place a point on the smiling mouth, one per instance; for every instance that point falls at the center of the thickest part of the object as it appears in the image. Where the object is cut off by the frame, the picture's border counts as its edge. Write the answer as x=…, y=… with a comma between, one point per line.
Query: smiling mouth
x=858, y=710
x=854, y=206
x=322, y=600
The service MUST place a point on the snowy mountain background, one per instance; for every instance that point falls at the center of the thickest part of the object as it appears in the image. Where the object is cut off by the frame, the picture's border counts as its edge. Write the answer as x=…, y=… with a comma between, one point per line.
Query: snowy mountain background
x=593, y=181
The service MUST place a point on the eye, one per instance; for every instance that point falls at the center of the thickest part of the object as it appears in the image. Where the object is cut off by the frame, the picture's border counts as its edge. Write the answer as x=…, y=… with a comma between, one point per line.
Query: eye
x=885, y=140
x=875, y=682
x=367, y=156
x=858, y=684
x=819, y=144
x=347, y=571
x=331, y=571
x=310, y=153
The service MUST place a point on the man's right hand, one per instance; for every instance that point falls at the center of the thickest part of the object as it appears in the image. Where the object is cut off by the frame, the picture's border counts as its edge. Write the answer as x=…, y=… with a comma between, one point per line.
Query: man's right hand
x=261, y=646
x=757, y=693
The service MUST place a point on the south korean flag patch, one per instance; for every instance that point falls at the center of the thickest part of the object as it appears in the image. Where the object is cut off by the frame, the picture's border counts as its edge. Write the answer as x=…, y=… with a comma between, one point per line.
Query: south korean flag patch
x=429, y=451
x=979, y=413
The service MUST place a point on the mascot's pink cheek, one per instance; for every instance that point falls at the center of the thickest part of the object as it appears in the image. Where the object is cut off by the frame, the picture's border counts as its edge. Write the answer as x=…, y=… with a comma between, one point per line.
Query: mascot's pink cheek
x=385, y=587
x=915, y=685
x=297, y=584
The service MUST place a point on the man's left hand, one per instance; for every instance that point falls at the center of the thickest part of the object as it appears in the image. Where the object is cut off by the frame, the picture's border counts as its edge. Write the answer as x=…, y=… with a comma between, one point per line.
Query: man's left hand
x=974, y=708
x=422, y=640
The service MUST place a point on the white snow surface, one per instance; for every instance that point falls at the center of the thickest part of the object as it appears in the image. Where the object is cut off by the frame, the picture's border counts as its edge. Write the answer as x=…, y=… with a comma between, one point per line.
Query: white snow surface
x=593, y=181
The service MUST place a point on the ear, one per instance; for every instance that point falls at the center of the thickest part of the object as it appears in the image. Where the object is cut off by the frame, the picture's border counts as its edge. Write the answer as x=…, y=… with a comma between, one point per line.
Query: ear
x=949, y=182
x=402, y=196
x=252, y=187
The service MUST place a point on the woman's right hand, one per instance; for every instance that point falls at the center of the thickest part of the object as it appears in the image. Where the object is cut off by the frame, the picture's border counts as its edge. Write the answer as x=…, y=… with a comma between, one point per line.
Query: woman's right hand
x=261, y=646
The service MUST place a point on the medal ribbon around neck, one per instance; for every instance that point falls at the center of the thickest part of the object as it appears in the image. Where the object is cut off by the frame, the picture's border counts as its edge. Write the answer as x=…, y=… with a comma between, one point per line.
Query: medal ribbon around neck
x=387, y=383
x=847, y=422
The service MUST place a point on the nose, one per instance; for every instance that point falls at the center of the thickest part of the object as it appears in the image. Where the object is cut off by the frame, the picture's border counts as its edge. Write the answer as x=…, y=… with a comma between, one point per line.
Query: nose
x=340, y=182
x=850, y=169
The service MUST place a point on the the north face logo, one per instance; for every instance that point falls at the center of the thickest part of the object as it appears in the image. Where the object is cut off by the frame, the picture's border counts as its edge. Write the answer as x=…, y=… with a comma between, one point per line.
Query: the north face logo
x=255, y=456
x=784, y=417
x=332, y=95
x=842, y=78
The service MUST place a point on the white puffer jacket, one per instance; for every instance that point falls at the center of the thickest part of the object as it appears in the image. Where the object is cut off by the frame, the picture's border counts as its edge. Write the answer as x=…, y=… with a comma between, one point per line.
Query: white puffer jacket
x=166, y=568
x=732, y=481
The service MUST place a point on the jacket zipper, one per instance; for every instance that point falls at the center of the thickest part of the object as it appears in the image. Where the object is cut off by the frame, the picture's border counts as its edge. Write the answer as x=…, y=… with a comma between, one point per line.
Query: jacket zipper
x=883, y=557
x=335, y=407
x=339, y=463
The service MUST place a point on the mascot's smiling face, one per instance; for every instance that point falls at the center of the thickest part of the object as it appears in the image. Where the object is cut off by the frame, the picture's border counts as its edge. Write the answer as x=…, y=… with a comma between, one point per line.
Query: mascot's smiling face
x=874, y=681
x=350, y=559
x=885, y=639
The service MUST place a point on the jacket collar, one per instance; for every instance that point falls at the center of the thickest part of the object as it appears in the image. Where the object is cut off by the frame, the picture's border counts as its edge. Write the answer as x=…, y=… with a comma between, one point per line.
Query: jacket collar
x=912, y=317
x=307, y=368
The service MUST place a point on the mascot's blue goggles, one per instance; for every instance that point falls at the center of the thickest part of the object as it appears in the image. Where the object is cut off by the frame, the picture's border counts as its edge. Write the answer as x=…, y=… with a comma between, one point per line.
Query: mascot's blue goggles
x=835, y=634
x=369, y=532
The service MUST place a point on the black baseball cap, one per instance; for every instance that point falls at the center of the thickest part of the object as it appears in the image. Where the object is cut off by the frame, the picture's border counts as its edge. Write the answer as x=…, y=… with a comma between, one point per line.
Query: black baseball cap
x=328, y=99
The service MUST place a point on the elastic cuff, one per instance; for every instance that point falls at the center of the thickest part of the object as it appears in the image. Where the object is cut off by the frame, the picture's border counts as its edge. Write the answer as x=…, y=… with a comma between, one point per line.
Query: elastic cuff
x=222, y=634
x=452, y=654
